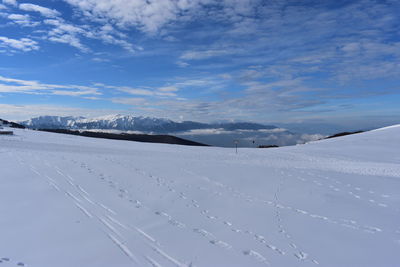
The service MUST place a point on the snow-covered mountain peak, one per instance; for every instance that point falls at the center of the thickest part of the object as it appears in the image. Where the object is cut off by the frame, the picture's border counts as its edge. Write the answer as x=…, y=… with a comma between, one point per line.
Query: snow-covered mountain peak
x=116, y=121
x=54, y=121
x=112, y=117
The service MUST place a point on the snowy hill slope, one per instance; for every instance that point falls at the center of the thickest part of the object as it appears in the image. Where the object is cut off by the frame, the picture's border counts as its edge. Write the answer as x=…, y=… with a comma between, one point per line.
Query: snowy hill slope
x=76, y=201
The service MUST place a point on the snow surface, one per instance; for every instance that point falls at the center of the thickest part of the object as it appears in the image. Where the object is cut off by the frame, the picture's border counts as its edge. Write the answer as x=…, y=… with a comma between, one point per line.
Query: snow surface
x=76, y=201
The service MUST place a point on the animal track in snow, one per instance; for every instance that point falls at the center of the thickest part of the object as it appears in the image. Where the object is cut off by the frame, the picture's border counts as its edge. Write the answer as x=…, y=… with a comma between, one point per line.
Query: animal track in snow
x=256, y=255
x=354, y=188
x=9, y=261
x=299, y=254
x=221, y=244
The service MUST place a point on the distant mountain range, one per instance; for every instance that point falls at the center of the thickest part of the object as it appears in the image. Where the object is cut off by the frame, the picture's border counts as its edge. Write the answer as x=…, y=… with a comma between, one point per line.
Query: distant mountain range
x=225, y=134
x=11, y=124
x=131, y=123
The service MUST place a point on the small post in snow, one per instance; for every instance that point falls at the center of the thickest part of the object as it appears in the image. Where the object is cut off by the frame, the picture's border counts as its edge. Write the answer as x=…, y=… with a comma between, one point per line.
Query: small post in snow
x=236, y=144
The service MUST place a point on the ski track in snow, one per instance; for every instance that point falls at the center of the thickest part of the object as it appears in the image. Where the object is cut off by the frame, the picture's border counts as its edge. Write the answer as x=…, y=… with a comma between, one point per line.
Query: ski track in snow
x=108, y=229
x=123, y=193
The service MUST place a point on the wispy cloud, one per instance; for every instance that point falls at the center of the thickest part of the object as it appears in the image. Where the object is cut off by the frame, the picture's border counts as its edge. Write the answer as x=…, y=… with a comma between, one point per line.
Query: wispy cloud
x=204, y=54
x=23, y=44
x=100, y=59
x=168, y=89
x=23, y=112
x=23, y=20
x=59, y=30
x=66, y=33
x=10, y=2
x=148, y=16
x=44, y=11
x=157, y=92
x=73, y=35
x=10, y=85
x=133, y=101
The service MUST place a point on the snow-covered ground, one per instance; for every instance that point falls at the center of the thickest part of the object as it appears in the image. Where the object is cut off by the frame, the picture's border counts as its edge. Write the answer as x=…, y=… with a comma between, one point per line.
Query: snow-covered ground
x=76, y=201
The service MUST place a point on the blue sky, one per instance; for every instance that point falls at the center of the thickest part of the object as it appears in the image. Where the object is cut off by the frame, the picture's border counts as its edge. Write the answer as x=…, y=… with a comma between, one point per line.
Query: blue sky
x=264, y=61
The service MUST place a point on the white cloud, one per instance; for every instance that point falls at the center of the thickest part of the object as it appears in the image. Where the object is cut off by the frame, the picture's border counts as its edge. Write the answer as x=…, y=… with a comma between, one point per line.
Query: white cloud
x=168, y=89
x=130, y=101
x=44, y=11
x=225, y=76
x=23, y=44
x=24, y=112
x=70, y=40
x=75, y=93
x=18, y=17
x=59, y=30
x=196, y=82
x=241, y=131
x=2, y=7
x=211, y=131
x=109, y=35
x=10, y=2
x=78, y=90
x=10, y=85
x=23, y=20
x=63, y=27
x=171, y=89
x=135, y=91
x=66, y=33
x=275, y=130
x=155, y=92
x=204, y=54
x=182, y=64
x=100, y=59
x=148, y=16
x=310, y=137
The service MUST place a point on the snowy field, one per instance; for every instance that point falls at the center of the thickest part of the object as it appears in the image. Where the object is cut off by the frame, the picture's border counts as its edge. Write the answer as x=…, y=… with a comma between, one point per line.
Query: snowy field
x=74, y=201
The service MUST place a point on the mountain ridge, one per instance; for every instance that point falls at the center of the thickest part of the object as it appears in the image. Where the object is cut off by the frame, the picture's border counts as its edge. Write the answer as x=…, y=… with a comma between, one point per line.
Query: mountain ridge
x=132, y=123
x=146, y=138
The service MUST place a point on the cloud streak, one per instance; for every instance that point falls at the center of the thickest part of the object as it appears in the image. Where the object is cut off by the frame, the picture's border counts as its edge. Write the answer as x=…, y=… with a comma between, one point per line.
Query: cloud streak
x=10, y=85
x=148, y=16
x=44, y=11
x=23, y=44
x=10, y=2
x=23, y=20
